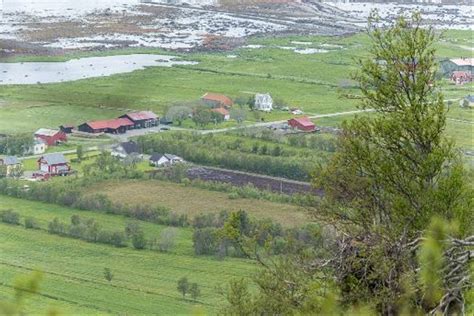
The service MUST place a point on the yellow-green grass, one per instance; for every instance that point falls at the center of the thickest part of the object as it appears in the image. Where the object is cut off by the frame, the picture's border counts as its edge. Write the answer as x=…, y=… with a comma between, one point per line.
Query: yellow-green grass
x=193, y=201
x=462, y=133
x=27, y=115
x=144, y=281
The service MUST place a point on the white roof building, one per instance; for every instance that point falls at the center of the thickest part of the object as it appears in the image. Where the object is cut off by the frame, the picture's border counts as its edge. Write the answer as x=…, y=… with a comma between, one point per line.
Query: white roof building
x=263, y=102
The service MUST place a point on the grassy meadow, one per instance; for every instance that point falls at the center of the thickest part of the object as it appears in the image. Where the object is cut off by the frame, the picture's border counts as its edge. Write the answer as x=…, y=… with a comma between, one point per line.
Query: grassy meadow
x=312, y=82
x=144, y=281
x=193, y=201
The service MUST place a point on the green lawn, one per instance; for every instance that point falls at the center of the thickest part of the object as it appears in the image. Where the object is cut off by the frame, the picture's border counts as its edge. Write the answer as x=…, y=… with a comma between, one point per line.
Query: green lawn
x=311, y=82
x=144, y=281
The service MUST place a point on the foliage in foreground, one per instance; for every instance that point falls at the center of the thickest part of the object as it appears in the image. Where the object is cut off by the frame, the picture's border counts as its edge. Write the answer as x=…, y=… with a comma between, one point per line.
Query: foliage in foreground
x=392, y=174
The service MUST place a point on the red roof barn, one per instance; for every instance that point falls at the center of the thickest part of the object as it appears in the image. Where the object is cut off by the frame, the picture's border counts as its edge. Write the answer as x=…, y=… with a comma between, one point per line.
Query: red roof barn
x=50, y=136
x=302, y=123
x=115, y=126
x=142, y=119
x=217, y=100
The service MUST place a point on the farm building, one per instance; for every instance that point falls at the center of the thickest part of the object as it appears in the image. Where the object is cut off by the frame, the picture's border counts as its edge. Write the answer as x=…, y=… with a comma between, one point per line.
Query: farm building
x=302, y=123
x=467, y=101
x=159, y=160
x=51, y=137
x=114, y=126
x=217, y=100
x=67, y=128
x=54, y=164
x=448, y=66
x=142, y=119
x=39, y=147
x=225, y=113
x=461, y=77
x=11, y=163
x=126, y=149
x=263, y=102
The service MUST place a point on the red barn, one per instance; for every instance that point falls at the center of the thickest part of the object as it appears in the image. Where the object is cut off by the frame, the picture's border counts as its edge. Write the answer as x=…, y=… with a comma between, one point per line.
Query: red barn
x=142, y=119
x=50, y=136
x=302, y=123
x=115, y=126
x=54, y=165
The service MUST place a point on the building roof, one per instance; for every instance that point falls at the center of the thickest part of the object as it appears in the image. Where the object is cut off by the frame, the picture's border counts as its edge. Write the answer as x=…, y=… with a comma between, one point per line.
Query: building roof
x=10, y=160
x=470, y=98
x=156, y=157
x=54, y=159
x=222, y=111
x=142, y=115
x=458, y=74
x=130, y=147
x=46, y=132
x=222, y=99
x=112, y=124
x=303, y=121
x=463, y=61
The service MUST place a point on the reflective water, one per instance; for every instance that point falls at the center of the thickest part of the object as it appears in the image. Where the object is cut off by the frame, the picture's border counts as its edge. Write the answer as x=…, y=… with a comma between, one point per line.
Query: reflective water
x=76, y=69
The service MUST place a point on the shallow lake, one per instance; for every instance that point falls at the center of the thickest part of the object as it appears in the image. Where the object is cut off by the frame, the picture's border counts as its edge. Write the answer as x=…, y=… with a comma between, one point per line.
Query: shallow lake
x=76, y=69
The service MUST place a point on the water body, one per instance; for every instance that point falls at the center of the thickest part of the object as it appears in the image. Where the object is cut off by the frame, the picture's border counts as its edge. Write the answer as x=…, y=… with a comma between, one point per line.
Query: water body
x=83, y=68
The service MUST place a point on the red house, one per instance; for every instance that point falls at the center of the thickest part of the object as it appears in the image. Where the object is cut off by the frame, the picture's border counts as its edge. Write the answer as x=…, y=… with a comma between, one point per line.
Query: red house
x=115, y=126
x=54, y=165
x=461, y=77
x=51, y=136
x=302, y=123
x=217, y=100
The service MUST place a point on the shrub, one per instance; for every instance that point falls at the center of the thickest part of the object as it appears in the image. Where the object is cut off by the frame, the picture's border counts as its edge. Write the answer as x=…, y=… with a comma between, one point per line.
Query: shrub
x=138, y=240
x=31, y=223
x=10, y=217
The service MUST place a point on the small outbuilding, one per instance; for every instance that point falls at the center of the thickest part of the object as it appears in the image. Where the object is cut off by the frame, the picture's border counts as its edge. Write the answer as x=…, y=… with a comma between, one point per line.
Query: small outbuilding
x=51, y=137
x=223, y=112
x=217, y=100
x=54, y=164
x=159, y=160
x=467, y=101
x=302, y=123
x=66, y=128
x=39, y=147
x=142, y=119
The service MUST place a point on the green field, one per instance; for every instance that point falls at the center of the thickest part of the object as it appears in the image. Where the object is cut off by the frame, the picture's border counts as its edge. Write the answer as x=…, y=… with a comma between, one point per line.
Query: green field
x=144, y=280
x=311, y=82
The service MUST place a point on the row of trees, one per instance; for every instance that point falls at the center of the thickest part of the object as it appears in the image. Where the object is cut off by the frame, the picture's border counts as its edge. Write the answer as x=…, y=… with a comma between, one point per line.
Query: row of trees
x=297, y=168
x=18, y=144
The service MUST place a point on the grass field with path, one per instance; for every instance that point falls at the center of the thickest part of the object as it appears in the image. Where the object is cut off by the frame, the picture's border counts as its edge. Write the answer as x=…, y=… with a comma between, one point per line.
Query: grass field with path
x=144, y=281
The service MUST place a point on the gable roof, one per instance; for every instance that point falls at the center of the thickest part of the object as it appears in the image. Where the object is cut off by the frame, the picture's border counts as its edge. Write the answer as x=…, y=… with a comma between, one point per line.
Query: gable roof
x=112, y=124
x=54, y=159
x=10, y=160
x=303, y=121
x=463, y=61
x=142, y=115
x=156, y=157
x=130, y=147
x=470, y=98
x=46, y=132
x=222, y=99
x=222, y=111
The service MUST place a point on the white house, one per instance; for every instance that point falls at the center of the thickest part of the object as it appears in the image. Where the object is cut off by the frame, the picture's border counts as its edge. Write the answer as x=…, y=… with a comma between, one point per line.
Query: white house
x=263, y=102
x=39, y=147
x=159, y=160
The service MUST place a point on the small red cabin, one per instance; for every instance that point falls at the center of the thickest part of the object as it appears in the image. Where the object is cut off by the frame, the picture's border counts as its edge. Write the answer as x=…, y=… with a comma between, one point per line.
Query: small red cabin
x=302, y=123
x=51, y=136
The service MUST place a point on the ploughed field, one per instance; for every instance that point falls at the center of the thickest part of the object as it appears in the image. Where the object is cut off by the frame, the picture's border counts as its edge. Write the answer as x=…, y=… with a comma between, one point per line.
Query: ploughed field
x=242, y=179
x=144, y=281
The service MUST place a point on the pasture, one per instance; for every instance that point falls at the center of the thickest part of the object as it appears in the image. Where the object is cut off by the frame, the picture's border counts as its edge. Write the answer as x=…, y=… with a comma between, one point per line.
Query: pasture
x=312, y=82
x=144, y=281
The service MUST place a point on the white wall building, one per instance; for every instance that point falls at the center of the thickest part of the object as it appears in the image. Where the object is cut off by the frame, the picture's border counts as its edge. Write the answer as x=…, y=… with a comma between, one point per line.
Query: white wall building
x=263, y=102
